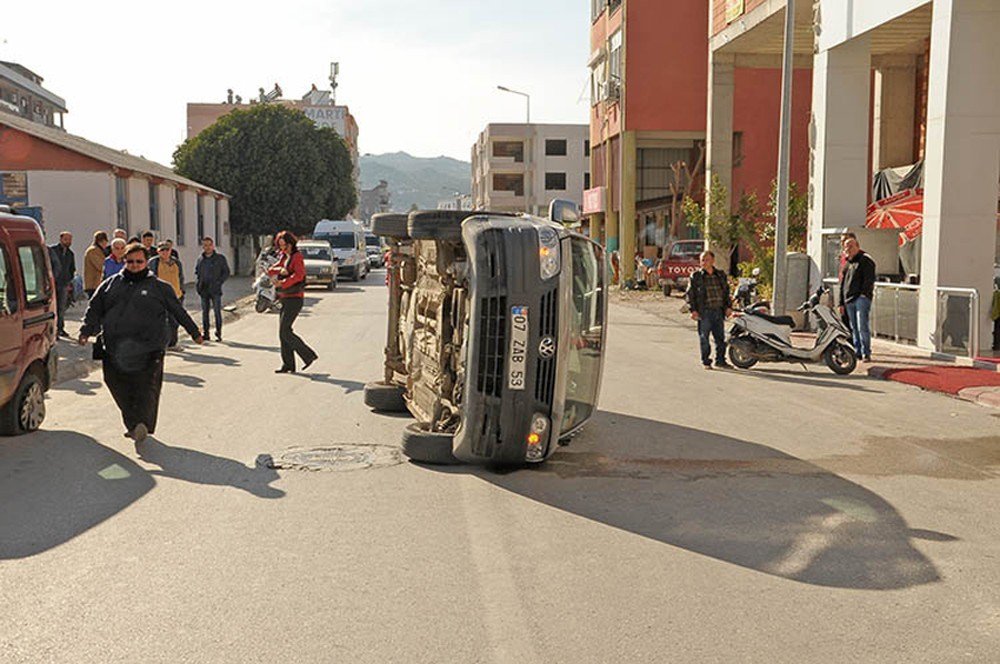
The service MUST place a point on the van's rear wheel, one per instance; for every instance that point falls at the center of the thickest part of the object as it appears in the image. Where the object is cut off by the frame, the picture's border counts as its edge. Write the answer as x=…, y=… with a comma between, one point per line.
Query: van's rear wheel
x=385, y=398
x=25, y=411
x=424, y=446
x=437, y=224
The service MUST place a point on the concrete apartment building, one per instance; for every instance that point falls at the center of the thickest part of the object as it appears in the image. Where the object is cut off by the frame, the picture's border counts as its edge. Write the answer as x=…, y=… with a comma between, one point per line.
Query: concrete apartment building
x=894, y=82
x=649, y=112
x=523, y=167
x=21, y=92
x=72, y=184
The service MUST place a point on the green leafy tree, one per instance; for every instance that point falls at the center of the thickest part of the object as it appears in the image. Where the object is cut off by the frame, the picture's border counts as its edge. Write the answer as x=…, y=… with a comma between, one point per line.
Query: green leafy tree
x=725, y=229
x=282, y=171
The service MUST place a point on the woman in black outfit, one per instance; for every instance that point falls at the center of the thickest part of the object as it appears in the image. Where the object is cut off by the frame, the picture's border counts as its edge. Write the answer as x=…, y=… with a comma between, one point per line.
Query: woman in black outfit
x=289, y=275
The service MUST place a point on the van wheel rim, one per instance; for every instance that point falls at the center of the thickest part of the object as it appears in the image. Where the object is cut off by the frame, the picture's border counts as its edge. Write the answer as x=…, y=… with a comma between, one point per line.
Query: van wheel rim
x=33, y=408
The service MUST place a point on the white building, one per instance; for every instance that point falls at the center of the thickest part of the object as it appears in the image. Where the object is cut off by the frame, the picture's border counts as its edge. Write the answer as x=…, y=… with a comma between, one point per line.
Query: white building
x=522, y=167
x=72, y=184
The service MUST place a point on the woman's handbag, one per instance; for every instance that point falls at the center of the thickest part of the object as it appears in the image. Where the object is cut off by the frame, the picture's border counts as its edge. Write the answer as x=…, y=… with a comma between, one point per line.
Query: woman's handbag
x=99, y=352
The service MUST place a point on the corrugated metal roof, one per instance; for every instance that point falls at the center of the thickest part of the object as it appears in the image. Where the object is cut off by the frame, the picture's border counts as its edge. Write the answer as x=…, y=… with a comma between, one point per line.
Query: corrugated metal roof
x=99, y=152
x=22, y=81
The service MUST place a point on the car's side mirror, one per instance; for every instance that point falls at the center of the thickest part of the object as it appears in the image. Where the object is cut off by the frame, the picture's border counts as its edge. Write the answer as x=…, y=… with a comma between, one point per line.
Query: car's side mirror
x=564, y=212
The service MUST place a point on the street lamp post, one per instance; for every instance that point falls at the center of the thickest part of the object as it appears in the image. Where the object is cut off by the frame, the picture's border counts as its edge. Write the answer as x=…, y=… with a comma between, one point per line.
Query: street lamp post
x=528, y=147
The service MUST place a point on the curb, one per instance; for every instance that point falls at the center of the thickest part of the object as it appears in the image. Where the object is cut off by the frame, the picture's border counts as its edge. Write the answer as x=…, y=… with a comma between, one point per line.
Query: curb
x=983, y=396
x=81, y=367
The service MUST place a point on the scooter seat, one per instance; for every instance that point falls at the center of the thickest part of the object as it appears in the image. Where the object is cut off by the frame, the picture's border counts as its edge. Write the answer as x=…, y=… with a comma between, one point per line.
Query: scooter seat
x=787, y=321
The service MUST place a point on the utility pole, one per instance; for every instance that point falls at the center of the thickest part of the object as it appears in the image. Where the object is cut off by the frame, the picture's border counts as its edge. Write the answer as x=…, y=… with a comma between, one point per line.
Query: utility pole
x=779, y=305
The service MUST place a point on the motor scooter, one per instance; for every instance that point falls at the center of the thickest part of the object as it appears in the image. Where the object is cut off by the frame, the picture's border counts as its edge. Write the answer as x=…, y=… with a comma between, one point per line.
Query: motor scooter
x=757, y=337
x=267, y=294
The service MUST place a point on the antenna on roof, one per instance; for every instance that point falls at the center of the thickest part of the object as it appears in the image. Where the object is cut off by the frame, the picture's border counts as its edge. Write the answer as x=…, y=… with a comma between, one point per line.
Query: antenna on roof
x=334, y=73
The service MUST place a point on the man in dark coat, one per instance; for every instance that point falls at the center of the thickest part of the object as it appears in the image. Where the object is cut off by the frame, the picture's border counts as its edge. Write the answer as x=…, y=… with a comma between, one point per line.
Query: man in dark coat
x=857, y=289
x=130, y=311
x=710, y=302
x=64, y=269
x=211, y=271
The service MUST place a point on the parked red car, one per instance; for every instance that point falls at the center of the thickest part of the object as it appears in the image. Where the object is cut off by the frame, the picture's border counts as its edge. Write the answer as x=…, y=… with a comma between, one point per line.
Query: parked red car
x=27, y=324
x=679, y=262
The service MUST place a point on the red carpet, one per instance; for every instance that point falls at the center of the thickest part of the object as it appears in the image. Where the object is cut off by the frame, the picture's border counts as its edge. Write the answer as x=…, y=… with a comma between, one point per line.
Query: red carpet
x=950, y=380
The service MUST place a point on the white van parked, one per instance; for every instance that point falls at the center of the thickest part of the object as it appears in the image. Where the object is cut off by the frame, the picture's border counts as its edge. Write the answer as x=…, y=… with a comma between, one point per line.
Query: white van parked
x=347, y=239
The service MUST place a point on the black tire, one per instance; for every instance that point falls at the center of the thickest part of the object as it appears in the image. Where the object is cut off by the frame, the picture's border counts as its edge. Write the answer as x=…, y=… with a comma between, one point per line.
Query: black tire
x=740, y=354
x=389, y=224
x=262, y=304
x=25, y=411
x=667, y=290
x=437, y=224
x=424, y=447
x=840, y=358
x=385, y=398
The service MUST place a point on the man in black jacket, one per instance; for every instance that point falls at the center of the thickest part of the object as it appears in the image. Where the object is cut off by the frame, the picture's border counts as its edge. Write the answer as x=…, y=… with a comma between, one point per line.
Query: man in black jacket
x=857, y=289
x=64, y=269
x=710, y=302
x=130, y=311
x=211, y=271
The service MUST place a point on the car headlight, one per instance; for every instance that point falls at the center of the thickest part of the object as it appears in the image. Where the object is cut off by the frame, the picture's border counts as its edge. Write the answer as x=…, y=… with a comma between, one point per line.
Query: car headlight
x=549, y=259
x=538, y=438
x=325, y=270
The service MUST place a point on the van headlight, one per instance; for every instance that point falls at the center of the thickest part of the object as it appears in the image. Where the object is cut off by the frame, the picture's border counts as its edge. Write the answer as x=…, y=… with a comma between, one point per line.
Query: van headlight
x=549, y=259
x=538, y=438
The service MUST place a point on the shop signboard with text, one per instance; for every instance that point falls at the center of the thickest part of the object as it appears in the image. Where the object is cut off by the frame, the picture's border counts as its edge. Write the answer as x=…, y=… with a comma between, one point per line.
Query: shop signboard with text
x=734, y=9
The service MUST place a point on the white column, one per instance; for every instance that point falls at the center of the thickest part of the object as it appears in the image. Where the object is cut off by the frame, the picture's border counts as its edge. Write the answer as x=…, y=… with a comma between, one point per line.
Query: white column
x=962, y=164
x=838, y=163
x=719, y=143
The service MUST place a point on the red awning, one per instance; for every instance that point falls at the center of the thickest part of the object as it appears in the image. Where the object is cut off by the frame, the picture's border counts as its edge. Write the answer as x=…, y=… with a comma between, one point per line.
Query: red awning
x=904, y=211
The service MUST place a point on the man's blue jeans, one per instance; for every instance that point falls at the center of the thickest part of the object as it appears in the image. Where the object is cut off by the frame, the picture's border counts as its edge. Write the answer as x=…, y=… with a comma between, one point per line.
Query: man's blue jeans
x=712, y=323
x=214, y=302
x=859, y=312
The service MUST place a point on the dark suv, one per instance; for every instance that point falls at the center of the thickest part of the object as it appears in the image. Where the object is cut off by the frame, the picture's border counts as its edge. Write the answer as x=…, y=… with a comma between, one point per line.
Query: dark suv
x=496, y=333
x=27, y=324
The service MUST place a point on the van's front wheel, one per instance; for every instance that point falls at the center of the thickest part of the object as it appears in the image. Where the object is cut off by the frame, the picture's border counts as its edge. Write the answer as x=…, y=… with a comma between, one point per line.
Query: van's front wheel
x=25, y=411
x=425, y=446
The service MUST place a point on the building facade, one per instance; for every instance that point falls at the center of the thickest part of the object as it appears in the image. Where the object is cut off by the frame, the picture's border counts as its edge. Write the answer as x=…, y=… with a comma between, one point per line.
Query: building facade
x=894, y=82
x=21, y=92
x=71, y=184
x=374, y=201
x=523, y=167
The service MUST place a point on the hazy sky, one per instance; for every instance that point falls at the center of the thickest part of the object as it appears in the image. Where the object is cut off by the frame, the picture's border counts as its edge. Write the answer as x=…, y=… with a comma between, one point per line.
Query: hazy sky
x=418, y=76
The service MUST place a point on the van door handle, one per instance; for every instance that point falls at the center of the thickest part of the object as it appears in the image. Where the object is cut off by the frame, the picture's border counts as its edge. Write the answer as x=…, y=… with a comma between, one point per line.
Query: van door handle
x=35, y=320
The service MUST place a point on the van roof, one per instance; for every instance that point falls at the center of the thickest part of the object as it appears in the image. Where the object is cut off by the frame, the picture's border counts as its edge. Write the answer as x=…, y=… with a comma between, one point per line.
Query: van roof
x=20, y=222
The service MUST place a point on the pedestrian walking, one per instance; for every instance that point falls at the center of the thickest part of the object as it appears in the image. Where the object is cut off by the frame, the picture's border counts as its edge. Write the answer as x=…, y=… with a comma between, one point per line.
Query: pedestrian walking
x=148, y=241
x=129, y=311
x=211, y=272
x=64, y=269
x=173, y=252
x=93, y=263
x=857, y=289
x=115, y=262
x=289, y=276
x=710, y=302
x=168, y=269
x=116, y=234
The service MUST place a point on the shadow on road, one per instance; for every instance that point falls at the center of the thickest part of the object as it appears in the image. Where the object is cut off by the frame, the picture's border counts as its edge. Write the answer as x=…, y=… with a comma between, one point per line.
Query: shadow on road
x=55, y=485
x=202, y=358
x=202, y=468
x=349, y=386
x=184, y=379
x=733, y=500
x=81, y=386
x=242, y=346
x=812, y=380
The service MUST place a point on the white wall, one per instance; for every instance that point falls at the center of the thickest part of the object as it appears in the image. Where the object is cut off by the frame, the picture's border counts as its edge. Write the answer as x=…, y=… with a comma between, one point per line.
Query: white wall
x=81, y=202
x=843, y=20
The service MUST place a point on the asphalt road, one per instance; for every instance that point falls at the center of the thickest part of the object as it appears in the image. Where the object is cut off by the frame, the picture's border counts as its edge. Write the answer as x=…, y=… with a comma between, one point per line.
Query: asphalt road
x=772, y=516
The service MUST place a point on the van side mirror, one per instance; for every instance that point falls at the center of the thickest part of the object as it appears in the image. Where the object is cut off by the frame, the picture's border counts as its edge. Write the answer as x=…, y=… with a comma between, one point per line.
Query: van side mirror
x=564, y=212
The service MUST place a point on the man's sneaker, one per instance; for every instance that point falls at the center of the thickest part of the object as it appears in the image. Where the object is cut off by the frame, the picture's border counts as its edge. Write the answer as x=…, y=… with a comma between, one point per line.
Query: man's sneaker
x=707, y=366
x=723, y=365
x=139, y=433
x=218, y=336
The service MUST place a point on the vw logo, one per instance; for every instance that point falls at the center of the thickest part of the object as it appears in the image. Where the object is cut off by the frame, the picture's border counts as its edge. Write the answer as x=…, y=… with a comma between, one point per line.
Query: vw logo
x=547, y=348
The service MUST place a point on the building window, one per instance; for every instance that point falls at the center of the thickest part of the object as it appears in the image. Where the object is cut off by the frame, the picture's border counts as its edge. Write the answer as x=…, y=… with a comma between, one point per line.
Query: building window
x=154, y=207
x=737, y=149
x=555, y=147
x=586, y=147
x=121, y=203
x=555, y=182
x=586, y=181
x=509, y=149
x=201, y=217
x=512, y=182
x=179, y=216
x=615, y=57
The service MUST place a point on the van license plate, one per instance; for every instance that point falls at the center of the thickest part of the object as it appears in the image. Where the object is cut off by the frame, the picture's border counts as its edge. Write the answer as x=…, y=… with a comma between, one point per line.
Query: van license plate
x=518, y=348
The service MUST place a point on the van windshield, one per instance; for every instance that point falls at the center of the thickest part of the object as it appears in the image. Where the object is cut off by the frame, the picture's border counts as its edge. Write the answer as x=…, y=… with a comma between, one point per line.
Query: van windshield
x=372, y=241
x=586, y=333
x=338, y=240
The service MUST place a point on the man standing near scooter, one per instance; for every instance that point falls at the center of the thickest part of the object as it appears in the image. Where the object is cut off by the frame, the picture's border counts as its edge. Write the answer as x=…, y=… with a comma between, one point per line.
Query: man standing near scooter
x=857, y=289
x=710, y=302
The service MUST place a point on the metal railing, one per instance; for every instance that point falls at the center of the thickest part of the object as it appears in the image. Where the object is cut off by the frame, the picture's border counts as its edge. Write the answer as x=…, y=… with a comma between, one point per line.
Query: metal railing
x=895, y=311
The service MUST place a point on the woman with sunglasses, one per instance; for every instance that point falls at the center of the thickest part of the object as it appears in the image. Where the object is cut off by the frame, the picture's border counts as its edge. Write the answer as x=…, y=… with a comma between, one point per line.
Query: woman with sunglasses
x=289, y=276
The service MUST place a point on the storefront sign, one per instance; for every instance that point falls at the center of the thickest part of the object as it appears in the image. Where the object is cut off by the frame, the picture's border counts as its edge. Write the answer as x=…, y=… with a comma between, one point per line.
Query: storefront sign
x=593, y=200
x=334, y=117
x=734, y=9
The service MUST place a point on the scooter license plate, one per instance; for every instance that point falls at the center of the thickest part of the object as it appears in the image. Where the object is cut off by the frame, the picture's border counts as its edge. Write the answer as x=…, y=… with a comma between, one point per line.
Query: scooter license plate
x=517, y=358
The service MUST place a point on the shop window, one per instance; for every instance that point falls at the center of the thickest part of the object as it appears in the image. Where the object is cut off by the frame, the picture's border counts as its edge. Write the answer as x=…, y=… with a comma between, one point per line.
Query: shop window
x=555, y=147
x=555, y=182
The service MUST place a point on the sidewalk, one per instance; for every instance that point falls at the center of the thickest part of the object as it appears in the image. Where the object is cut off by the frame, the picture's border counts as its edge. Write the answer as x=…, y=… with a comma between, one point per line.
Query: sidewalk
x=75, y=361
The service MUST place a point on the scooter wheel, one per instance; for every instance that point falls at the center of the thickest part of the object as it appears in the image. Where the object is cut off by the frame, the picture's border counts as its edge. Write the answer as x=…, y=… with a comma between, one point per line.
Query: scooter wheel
x=741, y=354
x=840, y=358
x=262, y=304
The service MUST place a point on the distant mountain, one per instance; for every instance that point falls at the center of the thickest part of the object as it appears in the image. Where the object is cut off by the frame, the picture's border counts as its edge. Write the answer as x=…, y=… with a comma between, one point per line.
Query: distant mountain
x=419, y=180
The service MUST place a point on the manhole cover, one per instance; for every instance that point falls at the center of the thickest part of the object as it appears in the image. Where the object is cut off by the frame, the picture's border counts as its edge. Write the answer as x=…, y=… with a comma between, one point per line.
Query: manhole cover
x=334, y=457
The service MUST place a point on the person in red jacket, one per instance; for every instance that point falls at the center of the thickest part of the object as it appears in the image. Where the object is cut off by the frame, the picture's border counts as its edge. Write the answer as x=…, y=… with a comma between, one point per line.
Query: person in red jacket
x=289, y=276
